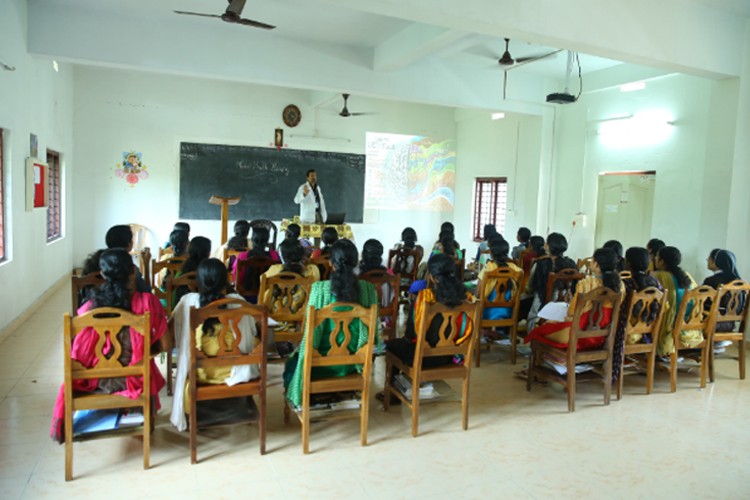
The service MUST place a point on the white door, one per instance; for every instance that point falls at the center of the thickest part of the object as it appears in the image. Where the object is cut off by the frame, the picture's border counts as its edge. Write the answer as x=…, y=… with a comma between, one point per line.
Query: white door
x=624, y=209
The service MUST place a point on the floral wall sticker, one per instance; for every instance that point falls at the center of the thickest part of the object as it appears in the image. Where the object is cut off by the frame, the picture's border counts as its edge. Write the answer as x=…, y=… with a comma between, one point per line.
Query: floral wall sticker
x=131, y=169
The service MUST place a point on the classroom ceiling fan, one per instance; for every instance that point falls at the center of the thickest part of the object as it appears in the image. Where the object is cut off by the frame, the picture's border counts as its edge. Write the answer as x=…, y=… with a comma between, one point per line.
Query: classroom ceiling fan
x=507, y=62
x=232, y=15
x=345, y=113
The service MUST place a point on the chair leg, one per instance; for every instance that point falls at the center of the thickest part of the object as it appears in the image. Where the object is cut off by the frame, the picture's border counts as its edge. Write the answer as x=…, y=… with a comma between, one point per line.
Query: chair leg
x=465, y=403
x=608, y=381
x=169, y=372
x=147, y=432
x=306, y=427
x=673, y=370
x=193, y=433
x=741, y=354
x=387, y=388
x=621, y=376
x=478, y=352
x=415, y=407
x=365, y=409
x=513, y=344
x=650, y=374
x=710, y=364
x=704, y=361
x=68, y=444
x=571, y=382
x=530, y=370
x=262, y=423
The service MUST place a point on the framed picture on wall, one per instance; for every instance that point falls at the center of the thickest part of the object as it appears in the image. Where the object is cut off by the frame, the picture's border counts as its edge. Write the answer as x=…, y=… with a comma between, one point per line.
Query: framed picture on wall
x=37, y=183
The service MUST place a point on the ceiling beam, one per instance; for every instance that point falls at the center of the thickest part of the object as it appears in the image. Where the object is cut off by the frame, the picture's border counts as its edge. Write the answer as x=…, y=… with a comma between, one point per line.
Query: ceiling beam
x=413, y=43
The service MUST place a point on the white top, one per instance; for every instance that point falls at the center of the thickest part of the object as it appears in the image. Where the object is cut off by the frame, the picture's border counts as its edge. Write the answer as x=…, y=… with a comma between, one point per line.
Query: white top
x=182, y=334
x=307, y=204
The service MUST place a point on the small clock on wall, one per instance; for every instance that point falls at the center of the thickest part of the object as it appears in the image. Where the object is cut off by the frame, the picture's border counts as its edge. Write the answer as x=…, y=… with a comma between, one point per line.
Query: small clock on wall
x=291, y=116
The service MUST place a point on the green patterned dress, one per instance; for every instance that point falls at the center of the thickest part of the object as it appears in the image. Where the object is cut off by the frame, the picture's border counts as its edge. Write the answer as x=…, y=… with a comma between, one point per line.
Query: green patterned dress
x=321, y=296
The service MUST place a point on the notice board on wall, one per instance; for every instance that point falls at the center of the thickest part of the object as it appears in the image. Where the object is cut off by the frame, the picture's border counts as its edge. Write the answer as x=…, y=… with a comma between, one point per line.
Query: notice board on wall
x=266, y=180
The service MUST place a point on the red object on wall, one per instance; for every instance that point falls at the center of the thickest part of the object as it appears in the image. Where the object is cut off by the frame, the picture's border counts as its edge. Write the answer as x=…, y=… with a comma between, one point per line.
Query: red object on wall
x=39, y=186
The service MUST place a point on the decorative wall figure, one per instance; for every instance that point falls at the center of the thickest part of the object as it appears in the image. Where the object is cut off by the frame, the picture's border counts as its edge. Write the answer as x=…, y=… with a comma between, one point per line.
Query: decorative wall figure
x=131, y=168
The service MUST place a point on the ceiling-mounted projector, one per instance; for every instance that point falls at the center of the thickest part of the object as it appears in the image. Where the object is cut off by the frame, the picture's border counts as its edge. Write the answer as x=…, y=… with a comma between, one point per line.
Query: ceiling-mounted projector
x=561, y=98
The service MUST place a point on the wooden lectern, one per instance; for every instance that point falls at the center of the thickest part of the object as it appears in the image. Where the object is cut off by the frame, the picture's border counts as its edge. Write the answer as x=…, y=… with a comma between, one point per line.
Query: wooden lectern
x=224, y=201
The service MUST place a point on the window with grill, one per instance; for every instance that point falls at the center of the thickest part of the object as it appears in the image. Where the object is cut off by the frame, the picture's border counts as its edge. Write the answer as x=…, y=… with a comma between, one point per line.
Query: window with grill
x=490, y=200
x=54, y=209
x=2, y=201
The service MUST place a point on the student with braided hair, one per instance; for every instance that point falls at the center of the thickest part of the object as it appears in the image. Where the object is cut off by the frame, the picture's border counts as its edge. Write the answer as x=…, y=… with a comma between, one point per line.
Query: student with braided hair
x=213, y=286
x=675, y=282
x=343, y=286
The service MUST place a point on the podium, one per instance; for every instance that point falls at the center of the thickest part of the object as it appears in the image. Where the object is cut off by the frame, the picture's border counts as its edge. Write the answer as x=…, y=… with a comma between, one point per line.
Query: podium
x=224, y=201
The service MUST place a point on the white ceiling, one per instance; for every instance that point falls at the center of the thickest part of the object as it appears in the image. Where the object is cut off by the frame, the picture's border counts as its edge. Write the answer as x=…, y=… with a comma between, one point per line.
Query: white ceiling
x=381, y=47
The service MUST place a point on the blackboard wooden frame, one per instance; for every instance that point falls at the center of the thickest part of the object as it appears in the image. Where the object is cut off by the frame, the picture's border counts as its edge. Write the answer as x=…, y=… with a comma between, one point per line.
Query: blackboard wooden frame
x=266, y=179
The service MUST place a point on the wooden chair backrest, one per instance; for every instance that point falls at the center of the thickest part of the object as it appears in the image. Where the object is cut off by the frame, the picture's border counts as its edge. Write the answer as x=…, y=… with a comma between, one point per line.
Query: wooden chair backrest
x=387, y=287
x=507, y=287
x=694, y=314
x=594, y=303
x=625, y=275
x=561, y=286
x=169, y=266
x=228, y=313
x=733, y=301
x=79, y=287
x=285, y=296
x=139, y=236
x=104, y=323
x=144, y=264
x=272, y=230
x=249, y=272
x=324, y=266
x=341, y=315
x=398, y=260
x=645, y=312
x=164, y=251
x=189, y=280
x=584, y=266
x=466, y=314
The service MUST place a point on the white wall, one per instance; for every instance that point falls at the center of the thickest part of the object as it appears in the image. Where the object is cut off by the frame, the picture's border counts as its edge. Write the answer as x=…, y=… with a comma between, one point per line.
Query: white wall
x=692, y=165
x=119, y=111
x=33, y=99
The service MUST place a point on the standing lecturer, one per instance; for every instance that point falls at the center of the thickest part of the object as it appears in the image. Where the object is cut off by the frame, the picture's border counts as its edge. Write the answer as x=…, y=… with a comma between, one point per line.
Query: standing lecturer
x=312, y=206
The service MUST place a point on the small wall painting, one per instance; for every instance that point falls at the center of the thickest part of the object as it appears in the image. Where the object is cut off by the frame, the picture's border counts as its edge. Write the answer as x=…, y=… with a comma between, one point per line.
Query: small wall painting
x=131, y=169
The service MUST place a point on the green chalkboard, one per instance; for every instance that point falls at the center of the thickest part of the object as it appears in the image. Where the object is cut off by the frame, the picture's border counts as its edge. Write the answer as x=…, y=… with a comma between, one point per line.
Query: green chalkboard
x=266, y=179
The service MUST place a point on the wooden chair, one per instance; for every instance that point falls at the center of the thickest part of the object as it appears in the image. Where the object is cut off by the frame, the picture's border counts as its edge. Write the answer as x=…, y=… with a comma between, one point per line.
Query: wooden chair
x=341, y=315
x=164, y=251
x=103, y=321
x=733, y=308
x=285, y=297
x=189, y=280
x=229, y=313
x=625, y=275
x=79, y=287
x=584, y=266
x=561, y=286
x=645, y=313
x=159, y=270
x=694, y=315
x=506, y=284
x=272, y=230
x=249, y=272
x=446, y=346
x=324, y=266
x=399, y=261
x=592, y=304
x=139, y=237
x=144, y=264
x=387, y=287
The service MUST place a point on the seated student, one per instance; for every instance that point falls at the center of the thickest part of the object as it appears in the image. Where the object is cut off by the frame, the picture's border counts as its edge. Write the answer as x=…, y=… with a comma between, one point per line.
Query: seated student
x=724, y=265
x=443, y=287
x=178, y=240
x=179, y=226
x=555, y=261
x=523, y=236
x=557, y=333
x=258, y=248
x=117, y=269
x=329, y=237
x=653, y=246
x=342, y=287
x=239, y=241
x=448, y=227
x=292, y=233
x=199, y=250
x=372, y=257
x=213, y=286
x=408, y=240
x=488, y=232
x=293, y=258
x=535, y=250
x=499, y=252
x=120, y=236
x=616, y=247
x=676, y=282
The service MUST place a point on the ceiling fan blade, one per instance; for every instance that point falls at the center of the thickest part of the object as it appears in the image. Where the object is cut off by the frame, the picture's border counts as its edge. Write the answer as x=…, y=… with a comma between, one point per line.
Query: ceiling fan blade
x=361, y=114
x=526, y=60
x=256, y=24
x=194, y=14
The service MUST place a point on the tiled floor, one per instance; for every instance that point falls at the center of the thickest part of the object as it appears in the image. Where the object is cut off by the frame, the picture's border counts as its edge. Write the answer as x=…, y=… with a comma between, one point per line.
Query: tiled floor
x=691, y=444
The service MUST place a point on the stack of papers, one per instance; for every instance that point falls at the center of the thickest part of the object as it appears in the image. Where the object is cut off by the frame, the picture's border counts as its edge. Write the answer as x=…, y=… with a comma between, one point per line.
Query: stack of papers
x=403, y=384
x=560, y=366
x=93, y=421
